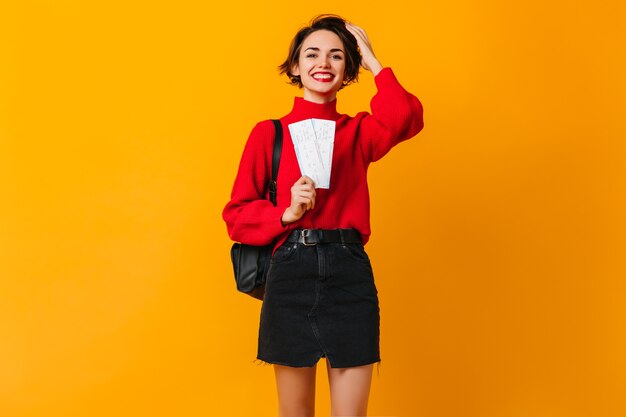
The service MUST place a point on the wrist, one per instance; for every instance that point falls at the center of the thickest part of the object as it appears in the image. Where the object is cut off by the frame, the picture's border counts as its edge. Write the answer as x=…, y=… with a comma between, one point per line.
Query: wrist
x=287, y=217
x=375, y=67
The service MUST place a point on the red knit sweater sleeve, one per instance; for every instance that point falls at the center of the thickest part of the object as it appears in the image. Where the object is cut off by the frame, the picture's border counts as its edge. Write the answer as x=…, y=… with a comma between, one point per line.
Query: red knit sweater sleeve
x=250, y=217
x=397, y=115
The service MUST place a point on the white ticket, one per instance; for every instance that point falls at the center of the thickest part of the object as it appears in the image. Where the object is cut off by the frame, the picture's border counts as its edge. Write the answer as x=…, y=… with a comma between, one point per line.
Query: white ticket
x=313, y=140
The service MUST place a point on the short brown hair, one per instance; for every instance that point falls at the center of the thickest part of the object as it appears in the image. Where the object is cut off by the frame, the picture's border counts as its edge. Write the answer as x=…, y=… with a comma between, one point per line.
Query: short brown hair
x=336, y=25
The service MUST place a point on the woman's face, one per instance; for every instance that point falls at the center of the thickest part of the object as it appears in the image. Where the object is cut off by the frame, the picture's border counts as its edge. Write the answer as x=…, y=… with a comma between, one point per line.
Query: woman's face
x=321, y=66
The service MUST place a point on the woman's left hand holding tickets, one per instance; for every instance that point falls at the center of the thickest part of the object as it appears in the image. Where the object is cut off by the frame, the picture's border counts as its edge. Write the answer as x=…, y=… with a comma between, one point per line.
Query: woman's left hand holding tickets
x=370, y=62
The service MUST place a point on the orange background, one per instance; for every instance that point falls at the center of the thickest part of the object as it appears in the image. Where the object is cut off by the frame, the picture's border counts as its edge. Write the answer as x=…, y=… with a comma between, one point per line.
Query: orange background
x=498, y=238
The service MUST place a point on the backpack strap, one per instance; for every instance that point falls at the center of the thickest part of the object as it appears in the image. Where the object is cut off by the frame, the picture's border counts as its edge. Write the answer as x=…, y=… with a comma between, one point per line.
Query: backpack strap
x=278, y=147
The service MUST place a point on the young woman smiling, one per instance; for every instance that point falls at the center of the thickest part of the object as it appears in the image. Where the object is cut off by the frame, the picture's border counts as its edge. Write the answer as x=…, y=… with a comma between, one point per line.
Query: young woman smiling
x=321, y=299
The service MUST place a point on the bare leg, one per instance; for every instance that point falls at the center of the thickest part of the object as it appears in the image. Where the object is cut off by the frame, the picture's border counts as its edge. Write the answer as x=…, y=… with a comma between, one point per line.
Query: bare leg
x=349, y=390
x=296, y=391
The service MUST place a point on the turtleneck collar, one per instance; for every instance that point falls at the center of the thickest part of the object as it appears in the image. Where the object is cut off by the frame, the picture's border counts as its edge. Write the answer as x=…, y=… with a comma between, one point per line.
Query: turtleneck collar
x=304, y=109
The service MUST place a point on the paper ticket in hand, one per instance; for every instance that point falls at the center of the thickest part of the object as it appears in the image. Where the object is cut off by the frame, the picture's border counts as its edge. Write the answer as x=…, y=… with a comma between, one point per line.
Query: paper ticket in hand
x=313, y=140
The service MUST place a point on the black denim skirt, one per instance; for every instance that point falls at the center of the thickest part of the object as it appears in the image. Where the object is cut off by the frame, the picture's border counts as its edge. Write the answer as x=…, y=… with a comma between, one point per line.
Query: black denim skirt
x=320, y=301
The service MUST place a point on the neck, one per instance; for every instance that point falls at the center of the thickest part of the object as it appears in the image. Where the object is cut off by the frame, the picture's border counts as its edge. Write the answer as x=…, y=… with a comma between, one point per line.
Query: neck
x=319, y=98
x=305, y=109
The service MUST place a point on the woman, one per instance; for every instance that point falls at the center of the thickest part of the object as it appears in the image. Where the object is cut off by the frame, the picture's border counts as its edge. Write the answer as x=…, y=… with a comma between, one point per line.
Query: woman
x=320, y=297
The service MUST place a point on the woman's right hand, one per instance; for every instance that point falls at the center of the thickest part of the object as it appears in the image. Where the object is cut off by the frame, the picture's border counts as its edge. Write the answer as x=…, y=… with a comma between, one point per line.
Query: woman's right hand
x=302, y=200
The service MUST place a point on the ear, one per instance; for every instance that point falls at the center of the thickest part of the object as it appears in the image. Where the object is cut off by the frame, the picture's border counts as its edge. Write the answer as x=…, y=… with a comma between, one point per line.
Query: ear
x=294, y=69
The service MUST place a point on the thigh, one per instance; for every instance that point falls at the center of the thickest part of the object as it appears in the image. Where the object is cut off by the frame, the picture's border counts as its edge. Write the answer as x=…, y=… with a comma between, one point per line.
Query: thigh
x=296, y=390
x=349, y=389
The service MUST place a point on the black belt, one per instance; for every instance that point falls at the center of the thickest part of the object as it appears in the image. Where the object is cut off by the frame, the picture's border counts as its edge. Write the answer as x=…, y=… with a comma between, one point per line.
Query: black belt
x=315, y=236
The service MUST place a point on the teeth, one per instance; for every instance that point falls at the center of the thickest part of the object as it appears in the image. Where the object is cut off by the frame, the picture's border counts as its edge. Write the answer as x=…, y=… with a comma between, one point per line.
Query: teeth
x=322, y=76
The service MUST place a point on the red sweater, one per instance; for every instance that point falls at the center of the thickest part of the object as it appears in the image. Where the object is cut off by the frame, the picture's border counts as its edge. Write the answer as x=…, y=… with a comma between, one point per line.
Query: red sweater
x=251, y=218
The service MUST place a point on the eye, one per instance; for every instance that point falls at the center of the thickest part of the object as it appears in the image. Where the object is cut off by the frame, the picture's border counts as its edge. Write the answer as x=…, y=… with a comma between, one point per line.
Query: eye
x=311, y=55
x=337, y=57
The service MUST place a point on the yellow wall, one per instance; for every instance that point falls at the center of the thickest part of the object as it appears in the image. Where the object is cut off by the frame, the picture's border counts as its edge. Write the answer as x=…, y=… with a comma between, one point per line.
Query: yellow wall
x=498, y=232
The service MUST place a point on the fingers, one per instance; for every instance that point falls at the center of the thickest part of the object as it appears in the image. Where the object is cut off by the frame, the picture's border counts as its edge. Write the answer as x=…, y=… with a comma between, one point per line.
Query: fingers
x=357, y=31
x=305, y=180
x=369, y=61
x=303, y=193
x=356, y=34
x=362, y=40
x=306, y=202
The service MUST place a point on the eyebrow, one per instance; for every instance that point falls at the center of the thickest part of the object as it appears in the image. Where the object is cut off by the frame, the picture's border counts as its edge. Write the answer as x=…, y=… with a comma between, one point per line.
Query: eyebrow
x=317, y=49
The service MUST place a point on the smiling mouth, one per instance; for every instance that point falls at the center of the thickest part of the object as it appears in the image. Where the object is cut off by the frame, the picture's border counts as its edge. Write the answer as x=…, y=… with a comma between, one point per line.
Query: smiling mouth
x=323, y=77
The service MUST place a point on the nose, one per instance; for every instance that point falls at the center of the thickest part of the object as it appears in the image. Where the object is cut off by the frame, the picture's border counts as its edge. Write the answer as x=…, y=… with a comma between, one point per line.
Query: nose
x=324, y=63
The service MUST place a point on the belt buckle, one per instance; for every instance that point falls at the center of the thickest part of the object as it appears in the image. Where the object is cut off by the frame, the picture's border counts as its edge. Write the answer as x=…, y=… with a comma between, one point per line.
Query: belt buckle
x=305, y=234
